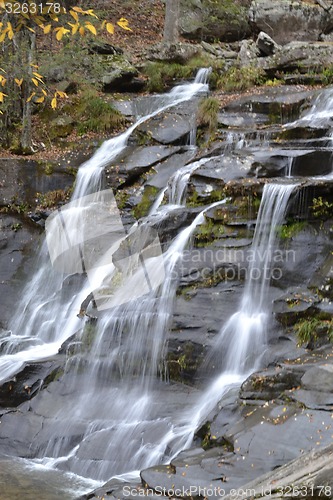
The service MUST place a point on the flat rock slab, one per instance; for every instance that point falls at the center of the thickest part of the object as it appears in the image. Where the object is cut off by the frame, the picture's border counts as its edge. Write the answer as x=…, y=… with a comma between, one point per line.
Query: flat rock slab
x=224, y=168
x=186, y=480
x=240, y=120
x=168, y=128
x=137, y=161
x=319, y=378
x=278, y=433
x=164, y=170
x=307, y=55
x=279, y=99
x=310, y=475
x=277, y=162
x=314, y=400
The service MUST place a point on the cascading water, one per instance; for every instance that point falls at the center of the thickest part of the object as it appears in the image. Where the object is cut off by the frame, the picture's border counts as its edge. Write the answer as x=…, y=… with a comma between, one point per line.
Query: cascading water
x=133, y=334
x=237, y=347
x=109, y=393
x=179, y=181
x=320, y=113
x=245, y=332
x=38, y=330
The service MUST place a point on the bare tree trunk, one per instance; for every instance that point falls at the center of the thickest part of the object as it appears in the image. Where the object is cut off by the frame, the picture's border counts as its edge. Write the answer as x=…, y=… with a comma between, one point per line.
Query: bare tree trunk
x=26, y=135
x=171, y=21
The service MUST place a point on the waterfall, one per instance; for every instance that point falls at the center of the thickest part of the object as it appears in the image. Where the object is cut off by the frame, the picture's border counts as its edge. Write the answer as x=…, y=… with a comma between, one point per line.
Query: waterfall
x=115, y=383
x=319, y=114
x=114, y=370
x=243, y=339
x=202, y=77
x=111, y=374
x=46, y=317
x=179, y=181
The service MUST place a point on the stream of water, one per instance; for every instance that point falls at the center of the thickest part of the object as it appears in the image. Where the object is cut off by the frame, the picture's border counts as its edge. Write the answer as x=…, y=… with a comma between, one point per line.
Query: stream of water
x=112, y=389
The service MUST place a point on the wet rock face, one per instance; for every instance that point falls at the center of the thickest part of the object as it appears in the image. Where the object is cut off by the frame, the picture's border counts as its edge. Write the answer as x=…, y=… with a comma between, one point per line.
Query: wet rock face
x=18, y=239
x=26, y=384
x=20, y=180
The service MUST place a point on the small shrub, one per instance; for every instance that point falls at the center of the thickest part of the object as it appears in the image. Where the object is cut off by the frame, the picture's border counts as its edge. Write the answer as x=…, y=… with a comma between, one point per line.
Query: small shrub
x=239, y=79
x=321, y=209
x=274, y=83
x=93, y=114
x=327, y=75
x=308, y=330
x=52, y=199
x=148, y=198
x=289, y=230
x=207, y=114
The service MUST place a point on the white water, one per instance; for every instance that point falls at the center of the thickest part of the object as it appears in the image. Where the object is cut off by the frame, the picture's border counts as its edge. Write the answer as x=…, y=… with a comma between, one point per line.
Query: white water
x=242, y=341
x=245, y=333
x=104, y=404
x=319, y=114
x=112, y=380
x=45, y=318
x=179, y=181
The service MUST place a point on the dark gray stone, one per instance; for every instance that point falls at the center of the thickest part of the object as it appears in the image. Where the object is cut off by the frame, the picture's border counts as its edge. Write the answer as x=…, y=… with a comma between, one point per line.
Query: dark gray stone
x=309, y=473
x=242, y=120
x=282, y=101
x=302, y=56
x=179, y=53
x=297, y=303
x=137, y=161
x=319, y=378
x=248, y=53
x=210, y=21
x=313, y=400
x=164, y=170
x=266, y=44
x=168, y=128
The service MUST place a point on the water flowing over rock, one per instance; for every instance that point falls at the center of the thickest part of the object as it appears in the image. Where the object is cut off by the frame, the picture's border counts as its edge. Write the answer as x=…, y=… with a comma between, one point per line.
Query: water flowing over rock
x=189, y=292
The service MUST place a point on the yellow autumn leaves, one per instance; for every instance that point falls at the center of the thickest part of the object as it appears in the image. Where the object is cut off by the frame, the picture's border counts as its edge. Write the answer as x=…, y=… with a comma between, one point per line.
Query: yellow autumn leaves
x=3, y=81
x=49, y=20
x=6, y=31
x=46, y=19
x=36, y=79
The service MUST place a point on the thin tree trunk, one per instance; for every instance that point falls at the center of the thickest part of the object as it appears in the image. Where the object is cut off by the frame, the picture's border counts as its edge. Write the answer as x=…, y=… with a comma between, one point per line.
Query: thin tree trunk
x=171, y=21
x=26, y=135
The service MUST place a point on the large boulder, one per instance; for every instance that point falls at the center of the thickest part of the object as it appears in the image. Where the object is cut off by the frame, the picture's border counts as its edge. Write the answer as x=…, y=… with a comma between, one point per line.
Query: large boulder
x=120, y=75
x=266, y=44
x=179, y=53
x=287, y=20
x=209, y=20
x=303, y=57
